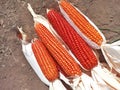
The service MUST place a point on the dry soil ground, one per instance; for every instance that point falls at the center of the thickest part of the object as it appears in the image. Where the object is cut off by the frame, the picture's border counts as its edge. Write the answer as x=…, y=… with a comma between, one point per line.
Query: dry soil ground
x=15, y=72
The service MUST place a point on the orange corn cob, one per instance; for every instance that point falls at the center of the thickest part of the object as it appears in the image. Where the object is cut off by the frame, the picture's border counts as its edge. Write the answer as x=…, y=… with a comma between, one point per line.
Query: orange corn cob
x=81, y=22
x=45, y=61
x=62, y=57
x=77, y=45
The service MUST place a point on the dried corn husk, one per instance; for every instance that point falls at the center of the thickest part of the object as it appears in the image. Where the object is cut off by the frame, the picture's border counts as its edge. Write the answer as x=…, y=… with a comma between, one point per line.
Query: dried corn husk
x=105, y=78
x=111, y=53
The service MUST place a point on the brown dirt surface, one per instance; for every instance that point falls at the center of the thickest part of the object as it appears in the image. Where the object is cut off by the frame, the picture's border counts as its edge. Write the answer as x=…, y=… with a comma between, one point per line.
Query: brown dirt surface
x=15, y=72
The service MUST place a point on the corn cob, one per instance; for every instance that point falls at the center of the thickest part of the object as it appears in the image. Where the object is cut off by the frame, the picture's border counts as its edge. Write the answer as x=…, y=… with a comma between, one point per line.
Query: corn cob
x=66, y=62
x=45, y=61
x=76, y=44
x=29, y=55
x=82, y=24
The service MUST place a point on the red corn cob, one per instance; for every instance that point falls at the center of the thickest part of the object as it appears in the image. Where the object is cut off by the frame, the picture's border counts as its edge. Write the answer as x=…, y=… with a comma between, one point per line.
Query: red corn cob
x=45, y=61
x=76, y=44
x=66, y=62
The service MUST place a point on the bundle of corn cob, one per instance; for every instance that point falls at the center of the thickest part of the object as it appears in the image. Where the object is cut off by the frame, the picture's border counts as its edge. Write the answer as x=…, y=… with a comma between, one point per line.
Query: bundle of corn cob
x=89, y=32
x=42, y=62
x=77, y=45
x=67, y=64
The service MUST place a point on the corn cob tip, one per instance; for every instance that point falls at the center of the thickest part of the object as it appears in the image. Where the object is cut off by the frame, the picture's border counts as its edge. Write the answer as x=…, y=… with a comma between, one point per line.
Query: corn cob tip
x=36, y=24
x=31, y=10
x=58, y=1
x=22, y=35
x=20, y=29
x=48, y=10
x=28, y=4
x=33, y=40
